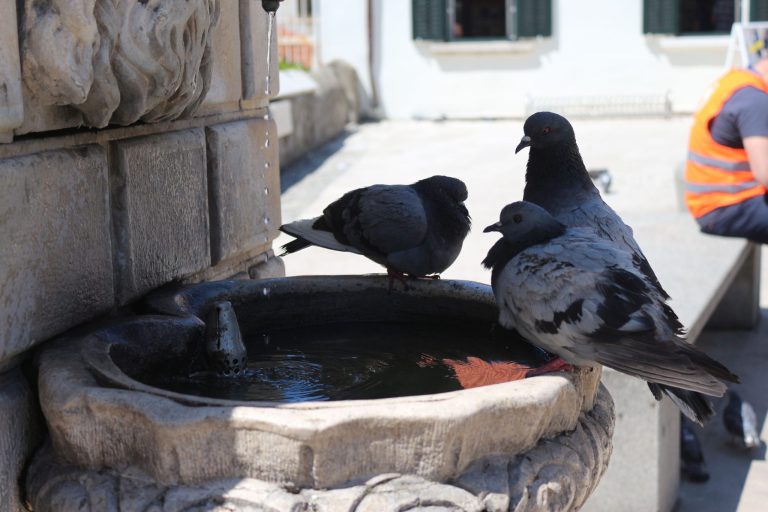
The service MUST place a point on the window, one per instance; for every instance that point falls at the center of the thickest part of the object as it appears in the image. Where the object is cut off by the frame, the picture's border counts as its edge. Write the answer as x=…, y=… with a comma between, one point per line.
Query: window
x=456, y=20
x=697, y=17
x=479, y=19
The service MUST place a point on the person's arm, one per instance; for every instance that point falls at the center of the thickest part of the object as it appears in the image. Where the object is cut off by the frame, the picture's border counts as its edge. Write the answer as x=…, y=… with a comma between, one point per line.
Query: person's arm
x=757, y=152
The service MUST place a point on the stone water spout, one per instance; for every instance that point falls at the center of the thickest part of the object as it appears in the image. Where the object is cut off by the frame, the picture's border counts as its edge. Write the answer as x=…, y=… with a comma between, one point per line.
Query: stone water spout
x=270, y=5
x=225, y=351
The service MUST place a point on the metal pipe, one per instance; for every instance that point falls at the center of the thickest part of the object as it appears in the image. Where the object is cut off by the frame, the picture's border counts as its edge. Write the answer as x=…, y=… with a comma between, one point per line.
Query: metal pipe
x=270, y=5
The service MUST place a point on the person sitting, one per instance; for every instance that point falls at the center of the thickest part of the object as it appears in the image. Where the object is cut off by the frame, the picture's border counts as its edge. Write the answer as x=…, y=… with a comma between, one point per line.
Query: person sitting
x=726, y=173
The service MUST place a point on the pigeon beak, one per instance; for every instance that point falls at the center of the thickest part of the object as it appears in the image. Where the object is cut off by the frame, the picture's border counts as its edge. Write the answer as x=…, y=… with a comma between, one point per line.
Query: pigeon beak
x=524, y=143
x=493, y=227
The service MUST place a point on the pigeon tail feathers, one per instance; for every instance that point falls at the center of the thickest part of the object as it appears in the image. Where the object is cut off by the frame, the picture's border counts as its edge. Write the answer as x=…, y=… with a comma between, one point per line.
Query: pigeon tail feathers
x=693, y=405
x=294, y=246
x=312, y=233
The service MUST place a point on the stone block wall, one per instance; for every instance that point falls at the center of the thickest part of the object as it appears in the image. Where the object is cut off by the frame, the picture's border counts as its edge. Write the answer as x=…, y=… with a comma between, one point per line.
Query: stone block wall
x=320, y=110
x=125, y=163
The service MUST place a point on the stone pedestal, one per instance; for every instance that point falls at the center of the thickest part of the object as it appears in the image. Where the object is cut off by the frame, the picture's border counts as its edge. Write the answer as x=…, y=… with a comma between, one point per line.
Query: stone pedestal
x=538, y=444
x=20, y=432
x=644, y=473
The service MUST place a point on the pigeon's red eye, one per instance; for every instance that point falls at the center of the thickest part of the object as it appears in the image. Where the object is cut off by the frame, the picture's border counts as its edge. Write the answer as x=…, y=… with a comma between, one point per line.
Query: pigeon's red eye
x=517, y=218
x=546, y=130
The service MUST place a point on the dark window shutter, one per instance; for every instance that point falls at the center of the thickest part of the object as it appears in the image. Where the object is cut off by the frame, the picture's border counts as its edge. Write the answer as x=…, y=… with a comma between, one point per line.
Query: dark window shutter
x=661, y=16
x=430, y=19
x=534, y=18
x=758, y=10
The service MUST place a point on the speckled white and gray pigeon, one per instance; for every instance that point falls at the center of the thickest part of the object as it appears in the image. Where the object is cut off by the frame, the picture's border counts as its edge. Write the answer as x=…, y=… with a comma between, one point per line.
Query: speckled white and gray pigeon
x=415, y=229
x=557, y=180
x=740, y=422
x=587, y=300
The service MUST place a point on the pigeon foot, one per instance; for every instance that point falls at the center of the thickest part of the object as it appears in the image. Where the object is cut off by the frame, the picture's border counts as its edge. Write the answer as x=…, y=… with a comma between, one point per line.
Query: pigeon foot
x=556, y=364
x=394, y=275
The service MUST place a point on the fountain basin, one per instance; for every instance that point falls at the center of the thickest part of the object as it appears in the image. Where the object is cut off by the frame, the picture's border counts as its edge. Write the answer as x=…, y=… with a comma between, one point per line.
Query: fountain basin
x=100, y=416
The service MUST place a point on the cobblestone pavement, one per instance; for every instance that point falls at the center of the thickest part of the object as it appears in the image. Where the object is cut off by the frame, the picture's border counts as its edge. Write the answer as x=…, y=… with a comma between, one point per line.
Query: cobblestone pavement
x=640, y=154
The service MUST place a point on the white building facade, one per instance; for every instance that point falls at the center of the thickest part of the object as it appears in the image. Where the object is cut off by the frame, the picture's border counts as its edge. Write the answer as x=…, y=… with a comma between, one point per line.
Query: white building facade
x=504, y=58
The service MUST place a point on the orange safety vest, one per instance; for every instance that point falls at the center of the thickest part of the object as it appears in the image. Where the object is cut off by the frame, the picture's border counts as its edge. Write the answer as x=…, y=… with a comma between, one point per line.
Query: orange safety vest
x=718, y=175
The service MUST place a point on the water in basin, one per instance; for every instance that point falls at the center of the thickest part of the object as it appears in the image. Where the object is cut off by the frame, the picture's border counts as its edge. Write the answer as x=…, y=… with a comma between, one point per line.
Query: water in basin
x=362, y=361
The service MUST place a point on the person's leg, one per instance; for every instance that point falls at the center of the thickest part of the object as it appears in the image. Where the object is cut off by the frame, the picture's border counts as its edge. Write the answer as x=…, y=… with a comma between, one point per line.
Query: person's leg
x=743, y=220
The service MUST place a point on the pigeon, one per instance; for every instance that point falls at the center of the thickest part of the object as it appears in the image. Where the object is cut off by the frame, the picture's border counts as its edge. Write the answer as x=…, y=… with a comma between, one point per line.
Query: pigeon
x=557, y=180
x=414, y=230
x=692, y=464
x=585, y=299
x=740, y=422
x=603, y=177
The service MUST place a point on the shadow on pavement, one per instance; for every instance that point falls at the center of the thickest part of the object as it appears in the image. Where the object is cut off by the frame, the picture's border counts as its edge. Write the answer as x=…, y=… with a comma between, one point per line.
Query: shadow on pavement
x=293, y=173
x=732, y=469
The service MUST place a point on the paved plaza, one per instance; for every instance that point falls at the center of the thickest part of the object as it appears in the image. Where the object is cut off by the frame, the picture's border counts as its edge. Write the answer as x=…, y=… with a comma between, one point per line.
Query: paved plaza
x=640, y=154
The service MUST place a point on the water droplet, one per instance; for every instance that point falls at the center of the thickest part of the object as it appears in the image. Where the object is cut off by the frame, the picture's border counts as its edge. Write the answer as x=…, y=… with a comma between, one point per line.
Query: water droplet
x=269, y=49
x=266, y=117
x=266, y=191
x=266, y=143
x=265, y=292
x=266, y=220
x=266, y=165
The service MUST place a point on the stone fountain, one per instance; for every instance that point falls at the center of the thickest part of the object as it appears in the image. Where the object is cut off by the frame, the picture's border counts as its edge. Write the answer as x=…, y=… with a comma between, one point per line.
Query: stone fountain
x=178, y=159
x=117, y=443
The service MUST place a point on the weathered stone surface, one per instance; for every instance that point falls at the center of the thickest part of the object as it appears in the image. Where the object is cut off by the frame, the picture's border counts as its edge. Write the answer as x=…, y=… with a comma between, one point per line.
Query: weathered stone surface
x=119, y=61
x=226, y=71
x=20, y=429
x=11, y=106
x=259, y=84
x=645, y=467
x=320, y=114
x=272, y=267
x=559, y=474
x=43, y=118
x=556, y=475
x=244, y=183
x=433, y=436
x=56, y=266
x=160, y=209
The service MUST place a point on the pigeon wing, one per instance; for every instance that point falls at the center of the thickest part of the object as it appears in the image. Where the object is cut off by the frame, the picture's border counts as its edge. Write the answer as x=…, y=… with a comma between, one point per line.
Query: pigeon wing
x=385, y=219
x=595, y=213
x=583, y=299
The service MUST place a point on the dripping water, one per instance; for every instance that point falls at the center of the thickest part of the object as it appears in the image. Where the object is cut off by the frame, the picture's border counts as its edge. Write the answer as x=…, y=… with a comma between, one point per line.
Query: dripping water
x=269, y=49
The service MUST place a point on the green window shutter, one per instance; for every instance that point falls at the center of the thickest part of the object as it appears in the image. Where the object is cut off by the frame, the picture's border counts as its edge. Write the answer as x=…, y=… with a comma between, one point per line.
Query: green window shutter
x=430, y=19
x=758, y=10
x=534, y=18
x=661, y=16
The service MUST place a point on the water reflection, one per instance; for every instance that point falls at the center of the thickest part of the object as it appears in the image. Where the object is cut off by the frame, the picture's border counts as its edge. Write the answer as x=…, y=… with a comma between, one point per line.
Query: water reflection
x=363, y=361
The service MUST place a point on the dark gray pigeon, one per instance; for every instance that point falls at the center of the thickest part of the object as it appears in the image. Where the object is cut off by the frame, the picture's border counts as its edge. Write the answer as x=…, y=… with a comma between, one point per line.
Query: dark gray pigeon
x=692, y=465
x=557, y=180
x=415, y=229
x=740, y=422
x=588, y=301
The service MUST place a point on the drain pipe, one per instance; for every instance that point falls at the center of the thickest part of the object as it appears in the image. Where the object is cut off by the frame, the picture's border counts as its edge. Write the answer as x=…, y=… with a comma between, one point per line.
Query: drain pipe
x=372, y=55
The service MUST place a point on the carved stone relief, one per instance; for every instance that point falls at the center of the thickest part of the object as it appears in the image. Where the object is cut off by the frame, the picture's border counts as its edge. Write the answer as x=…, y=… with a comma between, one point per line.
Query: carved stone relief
x=556, y=475
x=119, y=61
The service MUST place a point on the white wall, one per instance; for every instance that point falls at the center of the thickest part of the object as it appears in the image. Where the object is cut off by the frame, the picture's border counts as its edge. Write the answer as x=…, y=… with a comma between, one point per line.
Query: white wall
x=342, y=33
x=597, y=48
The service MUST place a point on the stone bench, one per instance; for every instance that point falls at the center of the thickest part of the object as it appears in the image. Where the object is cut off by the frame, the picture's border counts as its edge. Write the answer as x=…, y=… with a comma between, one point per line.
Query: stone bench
x=713, y=282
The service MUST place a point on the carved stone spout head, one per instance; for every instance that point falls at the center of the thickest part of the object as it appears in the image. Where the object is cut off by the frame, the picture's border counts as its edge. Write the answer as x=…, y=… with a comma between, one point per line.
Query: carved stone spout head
x=225, y=351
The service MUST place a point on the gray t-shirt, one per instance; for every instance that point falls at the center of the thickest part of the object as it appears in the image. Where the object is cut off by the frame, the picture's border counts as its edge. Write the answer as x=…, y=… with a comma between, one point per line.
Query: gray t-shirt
x=744, y=115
